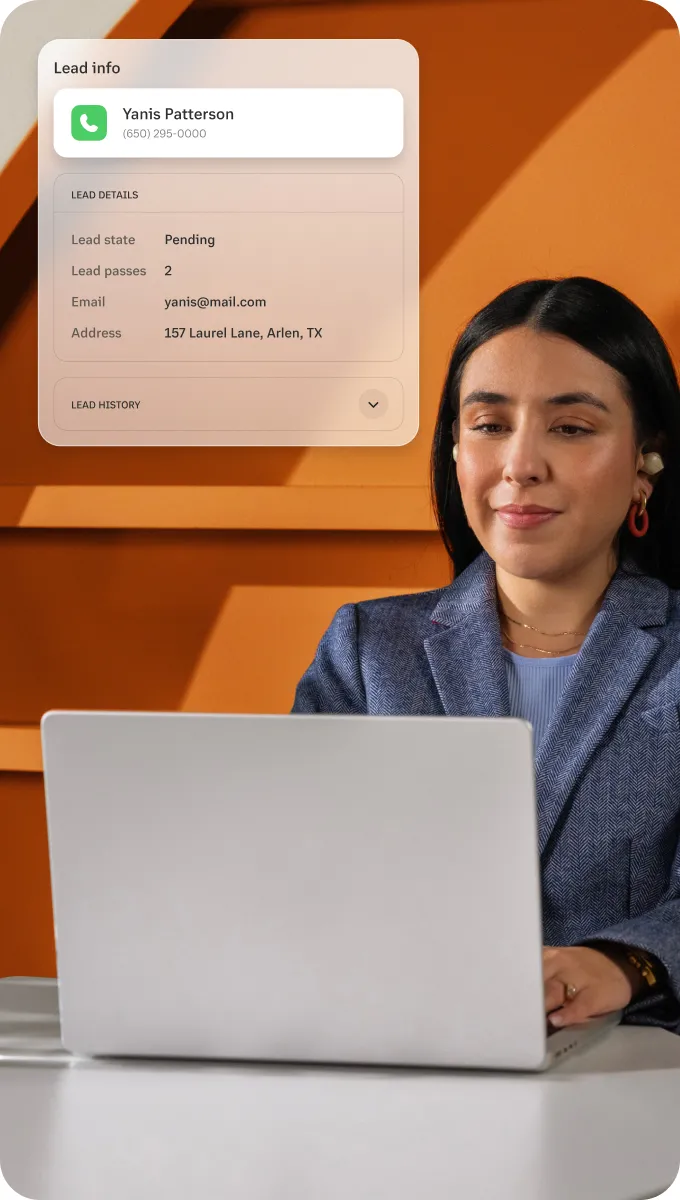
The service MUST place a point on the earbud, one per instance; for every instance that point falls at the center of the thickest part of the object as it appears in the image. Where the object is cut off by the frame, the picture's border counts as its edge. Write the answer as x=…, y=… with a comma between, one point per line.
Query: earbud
x=455, y=452
x=652, y=463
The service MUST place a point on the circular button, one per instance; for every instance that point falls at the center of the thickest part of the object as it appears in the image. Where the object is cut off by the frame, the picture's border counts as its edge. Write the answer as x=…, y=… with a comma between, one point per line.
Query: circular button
x=373, y=403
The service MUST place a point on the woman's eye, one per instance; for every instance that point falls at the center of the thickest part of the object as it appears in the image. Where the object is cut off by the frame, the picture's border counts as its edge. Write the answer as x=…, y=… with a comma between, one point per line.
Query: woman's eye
x=572, y=428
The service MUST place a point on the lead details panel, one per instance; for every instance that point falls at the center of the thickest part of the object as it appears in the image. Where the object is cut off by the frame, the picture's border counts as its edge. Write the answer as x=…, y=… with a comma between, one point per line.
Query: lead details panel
x=248, y=273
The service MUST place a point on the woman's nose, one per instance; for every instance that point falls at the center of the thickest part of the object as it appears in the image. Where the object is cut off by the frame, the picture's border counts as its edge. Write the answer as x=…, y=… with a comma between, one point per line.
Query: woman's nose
x=524, y=459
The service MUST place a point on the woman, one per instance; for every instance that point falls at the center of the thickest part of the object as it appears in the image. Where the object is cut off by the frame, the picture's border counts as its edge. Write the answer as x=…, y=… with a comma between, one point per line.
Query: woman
x=556, y=469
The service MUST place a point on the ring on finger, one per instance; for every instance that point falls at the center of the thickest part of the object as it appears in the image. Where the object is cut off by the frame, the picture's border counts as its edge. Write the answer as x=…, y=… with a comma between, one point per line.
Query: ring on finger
x=570, y=991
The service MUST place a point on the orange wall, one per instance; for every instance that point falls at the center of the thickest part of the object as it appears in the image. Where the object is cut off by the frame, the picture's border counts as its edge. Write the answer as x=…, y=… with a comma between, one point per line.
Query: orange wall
x=26, y=941
x=547, y=135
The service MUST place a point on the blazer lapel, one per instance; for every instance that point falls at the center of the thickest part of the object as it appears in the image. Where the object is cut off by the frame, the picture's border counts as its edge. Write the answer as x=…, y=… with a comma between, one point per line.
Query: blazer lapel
x=465, y=651
x=465, y=654
x=611, y=662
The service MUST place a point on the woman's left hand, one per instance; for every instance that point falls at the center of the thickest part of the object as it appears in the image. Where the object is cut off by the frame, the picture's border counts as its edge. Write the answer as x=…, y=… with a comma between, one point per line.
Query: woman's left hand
x=603, y=984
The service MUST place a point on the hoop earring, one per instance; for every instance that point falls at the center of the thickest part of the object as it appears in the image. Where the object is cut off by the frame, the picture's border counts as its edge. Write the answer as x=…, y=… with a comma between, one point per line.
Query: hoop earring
x=641, y=512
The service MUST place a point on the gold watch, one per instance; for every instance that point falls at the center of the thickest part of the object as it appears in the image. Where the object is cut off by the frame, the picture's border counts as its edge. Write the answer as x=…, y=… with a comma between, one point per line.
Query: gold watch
x=643, y=965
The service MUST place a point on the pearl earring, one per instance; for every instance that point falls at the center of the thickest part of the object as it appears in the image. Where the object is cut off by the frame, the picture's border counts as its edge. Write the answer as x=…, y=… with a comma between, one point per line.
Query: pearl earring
x=455, y=452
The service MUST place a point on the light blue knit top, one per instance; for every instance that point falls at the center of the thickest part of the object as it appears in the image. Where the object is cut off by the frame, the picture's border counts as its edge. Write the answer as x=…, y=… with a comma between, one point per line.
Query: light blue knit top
x=535, y=686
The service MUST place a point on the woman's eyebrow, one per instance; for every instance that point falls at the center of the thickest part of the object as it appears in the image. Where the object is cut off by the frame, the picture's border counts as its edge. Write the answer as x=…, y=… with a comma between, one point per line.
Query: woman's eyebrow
x=479, y=396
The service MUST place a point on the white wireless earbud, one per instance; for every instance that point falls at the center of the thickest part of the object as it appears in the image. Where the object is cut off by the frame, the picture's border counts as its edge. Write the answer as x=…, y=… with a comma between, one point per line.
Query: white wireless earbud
x=652, y=463
x=455, y=452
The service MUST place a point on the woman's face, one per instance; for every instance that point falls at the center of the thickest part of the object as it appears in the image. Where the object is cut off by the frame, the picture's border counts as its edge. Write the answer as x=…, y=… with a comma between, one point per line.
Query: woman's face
x=545, y=423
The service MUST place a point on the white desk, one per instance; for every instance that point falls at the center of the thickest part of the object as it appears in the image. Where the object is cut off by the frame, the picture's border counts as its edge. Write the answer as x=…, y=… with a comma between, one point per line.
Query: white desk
x=604, y=1125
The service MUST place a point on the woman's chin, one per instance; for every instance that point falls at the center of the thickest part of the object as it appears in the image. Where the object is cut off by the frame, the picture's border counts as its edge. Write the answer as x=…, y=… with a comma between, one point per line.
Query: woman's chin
x=528, y=562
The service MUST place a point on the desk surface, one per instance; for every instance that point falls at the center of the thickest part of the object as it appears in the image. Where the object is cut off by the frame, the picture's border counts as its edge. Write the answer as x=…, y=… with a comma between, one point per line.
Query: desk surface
x=604, y=1125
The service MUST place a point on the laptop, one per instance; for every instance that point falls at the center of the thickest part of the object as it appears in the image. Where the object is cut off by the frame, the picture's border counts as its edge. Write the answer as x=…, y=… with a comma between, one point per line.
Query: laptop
x=329, y=889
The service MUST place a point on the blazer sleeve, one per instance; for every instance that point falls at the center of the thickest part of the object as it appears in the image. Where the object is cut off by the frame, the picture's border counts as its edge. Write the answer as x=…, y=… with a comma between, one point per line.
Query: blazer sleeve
x=656, y=932
x=333, y=683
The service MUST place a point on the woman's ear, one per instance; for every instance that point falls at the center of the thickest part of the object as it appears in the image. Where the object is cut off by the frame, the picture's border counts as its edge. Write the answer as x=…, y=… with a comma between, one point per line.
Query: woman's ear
x=654, y=450
x=650, y=465
x=643, y=482
x=645, y=485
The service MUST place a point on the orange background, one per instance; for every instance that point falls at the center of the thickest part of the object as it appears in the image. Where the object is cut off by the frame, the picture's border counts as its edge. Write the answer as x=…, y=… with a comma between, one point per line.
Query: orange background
x=203, y=579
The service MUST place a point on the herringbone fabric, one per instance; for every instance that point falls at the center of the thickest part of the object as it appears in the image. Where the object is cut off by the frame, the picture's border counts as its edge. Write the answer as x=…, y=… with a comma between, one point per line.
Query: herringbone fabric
x=607, y=769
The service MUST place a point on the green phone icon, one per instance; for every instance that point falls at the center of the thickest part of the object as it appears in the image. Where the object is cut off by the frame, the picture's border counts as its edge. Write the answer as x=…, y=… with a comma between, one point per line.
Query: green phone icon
x=88, y=122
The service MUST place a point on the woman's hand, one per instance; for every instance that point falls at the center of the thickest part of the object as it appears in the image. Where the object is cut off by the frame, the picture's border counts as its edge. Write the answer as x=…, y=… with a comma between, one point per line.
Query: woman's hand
x=604, y=983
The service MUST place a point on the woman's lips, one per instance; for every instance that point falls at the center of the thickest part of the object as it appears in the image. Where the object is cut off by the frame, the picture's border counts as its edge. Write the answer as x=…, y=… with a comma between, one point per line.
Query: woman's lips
x=518, y=520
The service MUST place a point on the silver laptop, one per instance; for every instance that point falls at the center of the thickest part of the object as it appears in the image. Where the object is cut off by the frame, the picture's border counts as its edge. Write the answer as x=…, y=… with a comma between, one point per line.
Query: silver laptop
x=332, y=889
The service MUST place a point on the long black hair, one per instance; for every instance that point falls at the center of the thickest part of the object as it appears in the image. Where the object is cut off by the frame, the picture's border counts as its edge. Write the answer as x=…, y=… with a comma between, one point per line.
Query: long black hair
x=605, y=322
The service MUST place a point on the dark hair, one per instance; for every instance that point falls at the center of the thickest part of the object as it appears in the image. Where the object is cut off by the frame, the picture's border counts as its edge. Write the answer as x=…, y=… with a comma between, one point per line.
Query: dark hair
x=610, y=326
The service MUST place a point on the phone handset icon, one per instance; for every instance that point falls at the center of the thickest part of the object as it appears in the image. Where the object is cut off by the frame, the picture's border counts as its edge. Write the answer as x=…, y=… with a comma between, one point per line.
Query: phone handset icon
x=89, y=122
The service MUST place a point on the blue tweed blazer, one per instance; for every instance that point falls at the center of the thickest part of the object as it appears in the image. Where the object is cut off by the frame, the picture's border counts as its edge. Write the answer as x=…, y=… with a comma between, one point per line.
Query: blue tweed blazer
x=607, y=769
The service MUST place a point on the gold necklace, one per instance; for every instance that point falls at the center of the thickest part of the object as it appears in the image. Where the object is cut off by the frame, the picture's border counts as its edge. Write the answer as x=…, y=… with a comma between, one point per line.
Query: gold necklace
x=537, y=649
x=567, y=632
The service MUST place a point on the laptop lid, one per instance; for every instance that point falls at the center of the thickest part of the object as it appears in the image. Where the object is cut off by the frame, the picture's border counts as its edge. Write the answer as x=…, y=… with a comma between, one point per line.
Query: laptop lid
x=325, y=888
